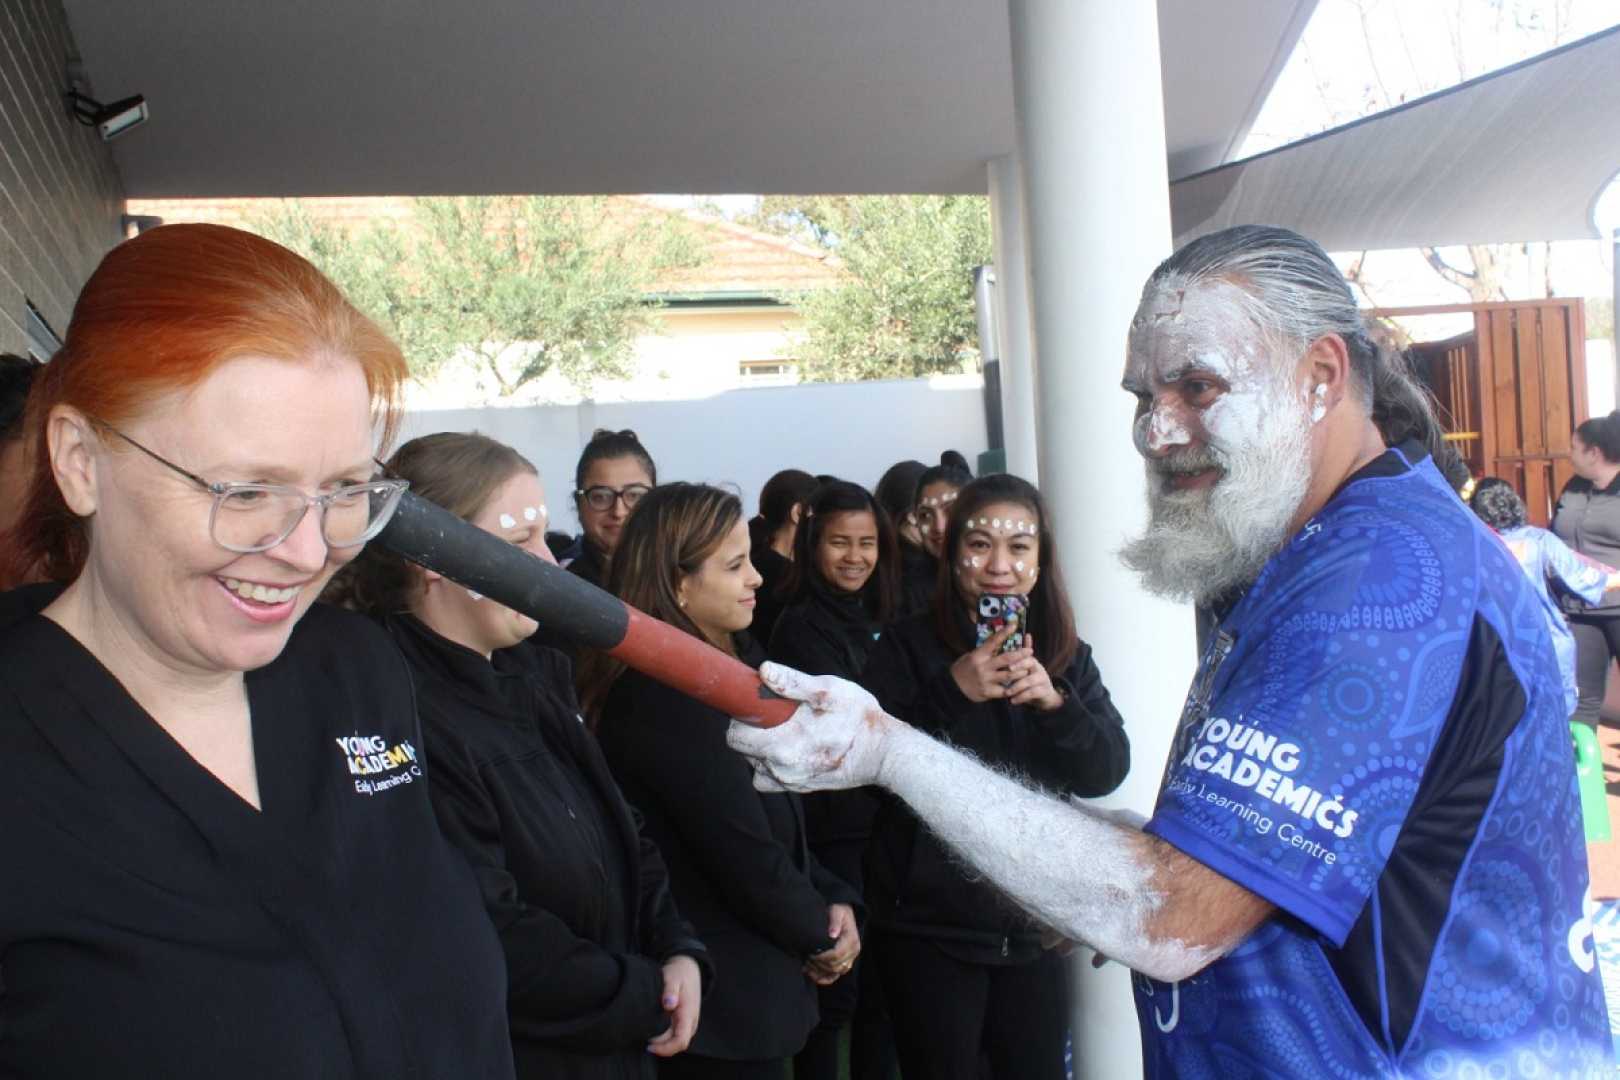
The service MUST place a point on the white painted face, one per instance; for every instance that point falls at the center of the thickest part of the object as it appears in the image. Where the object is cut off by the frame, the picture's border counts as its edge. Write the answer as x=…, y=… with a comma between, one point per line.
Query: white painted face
x=933, y=513
x=515, y=512
x=1224, y=423
x=999, y=552
x=176, y=593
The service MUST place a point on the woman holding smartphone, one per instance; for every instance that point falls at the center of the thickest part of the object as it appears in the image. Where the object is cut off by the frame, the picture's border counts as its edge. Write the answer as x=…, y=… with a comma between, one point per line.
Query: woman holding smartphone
x=965, y=973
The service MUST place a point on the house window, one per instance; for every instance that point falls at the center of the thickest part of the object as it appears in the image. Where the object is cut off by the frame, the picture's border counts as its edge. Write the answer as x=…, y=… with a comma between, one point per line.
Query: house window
x=42, y=340
x=768, y=372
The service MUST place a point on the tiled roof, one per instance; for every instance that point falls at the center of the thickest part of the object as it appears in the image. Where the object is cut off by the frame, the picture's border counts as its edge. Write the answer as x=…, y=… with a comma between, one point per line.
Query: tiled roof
x=738, y=262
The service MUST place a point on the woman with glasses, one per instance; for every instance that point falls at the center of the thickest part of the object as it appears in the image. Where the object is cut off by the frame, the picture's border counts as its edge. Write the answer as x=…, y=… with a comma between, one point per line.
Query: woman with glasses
x=604, y=974
x=613, y=474
x=219, y=851
x=776, y=923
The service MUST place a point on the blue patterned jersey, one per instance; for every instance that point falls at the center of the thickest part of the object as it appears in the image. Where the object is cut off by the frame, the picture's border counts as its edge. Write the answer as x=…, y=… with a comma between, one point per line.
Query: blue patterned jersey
x=1376, y=742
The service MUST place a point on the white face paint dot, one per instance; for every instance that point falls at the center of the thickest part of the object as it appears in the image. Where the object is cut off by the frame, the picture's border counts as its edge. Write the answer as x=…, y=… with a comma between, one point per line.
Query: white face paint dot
x=530, y=513
x=507, y=521
x=996, y=523
x=1019, y=566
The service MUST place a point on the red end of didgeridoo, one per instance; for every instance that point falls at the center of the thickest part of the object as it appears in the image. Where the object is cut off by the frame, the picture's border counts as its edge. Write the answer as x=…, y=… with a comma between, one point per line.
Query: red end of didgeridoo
x=699, y=670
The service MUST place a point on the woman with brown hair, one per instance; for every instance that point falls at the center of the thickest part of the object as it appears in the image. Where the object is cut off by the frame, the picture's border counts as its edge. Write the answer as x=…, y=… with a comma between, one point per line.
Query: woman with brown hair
x=601, y=968
x=613, y=474
x=965, y=974
x=219, y=854
x=776, y=923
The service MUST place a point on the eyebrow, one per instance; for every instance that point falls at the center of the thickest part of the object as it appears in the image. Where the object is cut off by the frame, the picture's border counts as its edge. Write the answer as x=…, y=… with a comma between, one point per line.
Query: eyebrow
x=280, y=474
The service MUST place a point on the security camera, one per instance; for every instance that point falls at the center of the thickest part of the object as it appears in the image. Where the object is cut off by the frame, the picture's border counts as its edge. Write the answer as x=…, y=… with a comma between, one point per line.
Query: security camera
x=112, y=120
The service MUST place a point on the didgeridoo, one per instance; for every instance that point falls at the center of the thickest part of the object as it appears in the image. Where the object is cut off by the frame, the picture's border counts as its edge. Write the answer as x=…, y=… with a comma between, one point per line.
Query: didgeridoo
x=577, y=611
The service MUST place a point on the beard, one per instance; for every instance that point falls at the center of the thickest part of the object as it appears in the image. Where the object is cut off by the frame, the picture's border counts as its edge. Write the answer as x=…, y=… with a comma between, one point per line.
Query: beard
x=1205, y=545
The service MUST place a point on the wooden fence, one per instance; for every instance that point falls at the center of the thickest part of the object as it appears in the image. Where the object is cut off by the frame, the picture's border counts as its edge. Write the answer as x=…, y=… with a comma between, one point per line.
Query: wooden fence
x=1511, y=391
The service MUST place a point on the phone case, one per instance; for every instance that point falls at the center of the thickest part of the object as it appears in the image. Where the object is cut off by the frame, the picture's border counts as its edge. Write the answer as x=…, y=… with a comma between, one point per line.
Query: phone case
x=995, y=612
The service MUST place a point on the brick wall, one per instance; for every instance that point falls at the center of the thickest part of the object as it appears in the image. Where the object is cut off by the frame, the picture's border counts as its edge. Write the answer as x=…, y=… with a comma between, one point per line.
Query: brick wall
x=60, y=196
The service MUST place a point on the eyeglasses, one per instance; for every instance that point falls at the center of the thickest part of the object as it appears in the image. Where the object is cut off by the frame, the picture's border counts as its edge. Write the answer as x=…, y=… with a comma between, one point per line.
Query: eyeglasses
x=248, y=518
x=603, y=497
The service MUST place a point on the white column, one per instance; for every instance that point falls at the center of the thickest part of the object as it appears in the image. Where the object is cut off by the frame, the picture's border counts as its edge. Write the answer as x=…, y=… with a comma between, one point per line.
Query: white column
x=1091, y=129
x=1008, y=229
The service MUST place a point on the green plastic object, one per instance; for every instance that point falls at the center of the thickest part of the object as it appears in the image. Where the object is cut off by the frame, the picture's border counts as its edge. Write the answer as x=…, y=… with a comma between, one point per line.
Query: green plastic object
x=1589, y=775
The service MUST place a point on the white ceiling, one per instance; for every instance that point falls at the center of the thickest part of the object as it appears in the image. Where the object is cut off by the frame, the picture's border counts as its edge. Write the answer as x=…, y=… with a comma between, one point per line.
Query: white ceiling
x=357, y=97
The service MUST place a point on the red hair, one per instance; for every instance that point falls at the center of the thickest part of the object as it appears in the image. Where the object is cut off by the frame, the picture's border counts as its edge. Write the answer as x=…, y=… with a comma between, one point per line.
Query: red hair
x=159, y=314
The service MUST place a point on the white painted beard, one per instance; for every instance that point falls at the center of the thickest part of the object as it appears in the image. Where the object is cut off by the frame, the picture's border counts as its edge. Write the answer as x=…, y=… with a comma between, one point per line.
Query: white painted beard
x=1207, y=544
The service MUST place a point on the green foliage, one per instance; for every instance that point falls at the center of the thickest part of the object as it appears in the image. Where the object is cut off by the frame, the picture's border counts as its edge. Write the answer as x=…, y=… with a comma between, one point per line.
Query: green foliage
x=907, y=310
x=1599, y=317
x=517, y=286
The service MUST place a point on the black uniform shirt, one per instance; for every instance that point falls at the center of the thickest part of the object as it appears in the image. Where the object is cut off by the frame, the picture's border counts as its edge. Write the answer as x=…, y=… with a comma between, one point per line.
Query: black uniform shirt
x=153, y=924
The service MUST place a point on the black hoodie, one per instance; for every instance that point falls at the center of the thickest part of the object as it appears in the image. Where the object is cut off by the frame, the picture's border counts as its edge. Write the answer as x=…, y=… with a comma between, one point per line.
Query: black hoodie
x=579, y=896
x=919, y=578
x=831, y=632
x=913, y=884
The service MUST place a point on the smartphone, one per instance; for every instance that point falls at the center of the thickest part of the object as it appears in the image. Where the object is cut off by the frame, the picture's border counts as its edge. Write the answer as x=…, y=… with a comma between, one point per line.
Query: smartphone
x=995, y=613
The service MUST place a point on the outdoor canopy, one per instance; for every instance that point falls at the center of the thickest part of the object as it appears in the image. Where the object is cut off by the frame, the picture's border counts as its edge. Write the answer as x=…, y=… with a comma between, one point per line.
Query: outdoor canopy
x=1520, y=154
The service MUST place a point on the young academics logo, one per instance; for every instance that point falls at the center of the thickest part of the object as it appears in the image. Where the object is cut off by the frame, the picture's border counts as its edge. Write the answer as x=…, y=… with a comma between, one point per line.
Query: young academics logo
x=1245, y=757
x=377, y=766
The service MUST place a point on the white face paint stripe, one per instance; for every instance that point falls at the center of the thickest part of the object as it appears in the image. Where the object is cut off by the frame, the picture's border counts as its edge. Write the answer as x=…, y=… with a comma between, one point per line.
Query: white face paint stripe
x=1004, y=526
x=475, y=595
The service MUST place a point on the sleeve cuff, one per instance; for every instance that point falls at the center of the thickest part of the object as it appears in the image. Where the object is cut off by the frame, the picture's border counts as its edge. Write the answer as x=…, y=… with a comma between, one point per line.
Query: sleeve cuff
x=1333, y=923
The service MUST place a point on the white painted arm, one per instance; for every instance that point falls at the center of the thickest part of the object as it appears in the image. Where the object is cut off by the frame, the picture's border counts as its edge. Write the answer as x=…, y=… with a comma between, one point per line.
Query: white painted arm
x=1128, y=895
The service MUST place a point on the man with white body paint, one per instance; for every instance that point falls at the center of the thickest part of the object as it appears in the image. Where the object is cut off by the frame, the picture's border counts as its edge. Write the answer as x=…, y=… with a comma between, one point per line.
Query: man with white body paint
x=1366, y=856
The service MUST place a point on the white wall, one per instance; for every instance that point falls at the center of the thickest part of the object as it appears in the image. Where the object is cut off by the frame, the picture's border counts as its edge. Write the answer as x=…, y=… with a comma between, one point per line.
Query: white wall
x=852, y=430
x=1600, y=372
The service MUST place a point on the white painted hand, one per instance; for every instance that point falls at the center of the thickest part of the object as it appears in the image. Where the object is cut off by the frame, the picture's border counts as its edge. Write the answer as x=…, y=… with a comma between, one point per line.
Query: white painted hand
x=837, y=739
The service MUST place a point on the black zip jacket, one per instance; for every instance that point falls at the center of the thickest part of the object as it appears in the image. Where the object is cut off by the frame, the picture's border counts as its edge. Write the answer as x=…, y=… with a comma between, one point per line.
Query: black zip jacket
x=913, y=884
x=738, y=864
x=774, y=570
x=577, y=893
x=919, y=577
x=589, y=564
x=830, y=633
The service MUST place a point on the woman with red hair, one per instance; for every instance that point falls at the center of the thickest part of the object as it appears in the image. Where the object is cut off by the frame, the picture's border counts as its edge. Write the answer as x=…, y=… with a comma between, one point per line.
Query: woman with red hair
x=219, y=851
